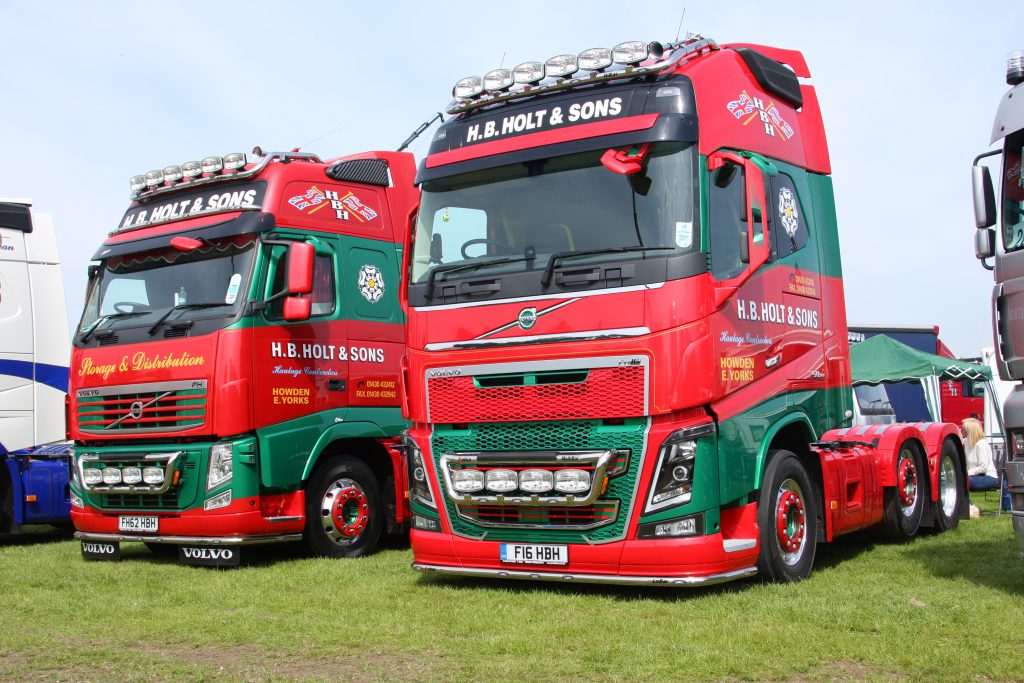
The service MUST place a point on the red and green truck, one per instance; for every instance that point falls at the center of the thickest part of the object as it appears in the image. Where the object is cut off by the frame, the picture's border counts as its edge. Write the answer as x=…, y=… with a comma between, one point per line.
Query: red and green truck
x=627, y=355
x=235, y=376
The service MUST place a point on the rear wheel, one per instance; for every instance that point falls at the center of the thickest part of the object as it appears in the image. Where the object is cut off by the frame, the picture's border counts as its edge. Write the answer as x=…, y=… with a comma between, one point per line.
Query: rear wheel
x=904, y=503
x=344, y=512
x=951, y=488
x=787, y=518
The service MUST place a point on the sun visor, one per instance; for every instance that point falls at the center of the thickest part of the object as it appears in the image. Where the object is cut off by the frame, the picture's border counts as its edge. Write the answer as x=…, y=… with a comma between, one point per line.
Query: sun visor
x=248, y=222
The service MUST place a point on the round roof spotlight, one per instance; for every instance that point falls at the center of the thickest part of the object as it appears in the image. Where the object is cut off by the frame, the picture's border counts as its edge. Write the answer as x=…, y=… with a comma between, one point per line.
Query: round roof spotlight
x=234, y=161
x=154, y=178
x=529, y=73
x=631, y=52
x=595, y=59
x=561, y=66
x=192, y=169
x=137, y=183
x=213, y=164
x=1015, y=68
x=498, y=80
x=468, y=87
x=172, y=174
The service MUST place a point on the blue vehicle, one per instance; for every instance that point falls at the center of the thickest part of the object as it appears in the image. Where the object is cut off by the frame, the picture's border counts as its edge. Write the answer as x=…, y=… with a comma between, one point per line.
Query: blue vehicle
x=35, y=349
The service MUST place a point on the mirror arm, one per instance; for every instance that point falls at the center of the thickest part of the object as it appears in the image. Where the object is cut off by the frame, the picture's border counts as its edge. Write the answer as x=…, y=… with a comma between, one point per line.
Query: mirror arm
x=985, y=264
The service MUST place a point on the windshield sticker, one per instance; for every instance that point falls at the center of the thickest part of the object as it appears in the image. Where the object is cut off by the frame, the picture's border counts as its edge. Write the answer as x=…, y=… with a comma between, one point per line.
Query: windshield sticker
x=584, y=111
x=193, y=204
x=684, y=234
x=233, y=285
x=754, y=108
x=371, y=283
x=787, y=211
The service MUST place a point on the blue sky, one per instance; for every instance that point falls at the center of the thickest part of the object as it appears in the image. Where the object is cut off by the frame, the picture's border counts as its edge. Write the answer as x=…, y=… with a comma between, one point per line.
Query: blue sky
x=92, y=93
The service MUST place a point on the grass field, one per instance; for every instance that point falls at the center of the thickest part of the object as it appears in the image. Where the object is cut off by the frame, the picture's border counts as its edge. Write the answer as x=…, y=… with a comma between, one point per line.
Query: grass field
x=941, y=608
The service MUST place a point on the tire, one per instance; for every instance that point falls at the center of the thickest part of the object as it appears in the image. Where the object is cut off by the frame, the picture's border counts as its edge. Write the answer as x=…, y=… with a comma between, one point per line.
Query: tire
x=344, y=510
x=904, y=503
x=787, y=519
x=951, y=489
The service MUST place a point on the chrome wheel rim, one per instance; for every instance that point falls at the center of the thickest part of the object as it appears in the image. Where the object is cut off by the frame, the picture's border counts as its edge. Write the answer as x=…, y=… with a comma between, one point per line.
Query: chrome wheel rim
x=345, y=512
x=906, y=483
x=947, y=487
x=790, y=522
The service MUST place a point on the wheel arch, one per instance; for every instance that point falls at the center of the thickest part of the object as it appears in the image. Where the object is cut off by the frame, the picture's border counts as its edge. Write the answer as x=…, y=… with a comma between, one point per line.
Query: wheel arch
x=794, y=432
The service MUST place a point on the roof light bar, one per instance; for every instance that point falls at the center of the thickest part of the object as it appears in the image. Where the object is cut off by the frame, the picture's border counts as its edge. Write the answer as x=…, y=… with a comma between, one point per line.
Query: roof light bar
x=234, y=161
x=192, y=169
x=154, y=178
x=528, y=73
x=471, y=86
x=172, y=174
x=595, y=59
x=561, y=66
x=213, y=164
x=498, y=80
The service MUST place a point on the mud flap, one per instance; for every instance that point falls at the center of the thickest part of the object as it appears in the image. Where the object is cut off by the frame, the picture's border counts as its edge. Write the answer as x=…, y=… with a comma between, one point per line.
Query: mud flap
x=101, y=550
x=206, y=556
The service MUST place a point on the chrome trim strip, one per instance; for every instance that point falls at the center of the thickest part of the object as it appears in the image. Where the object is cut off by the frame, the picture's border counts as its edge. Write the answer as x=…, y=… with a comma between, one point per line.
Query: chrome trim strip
x=587, y=335
x=129, y=457
x=734, y=545
x=540, y=297
x=590, y=578
x=179, y=540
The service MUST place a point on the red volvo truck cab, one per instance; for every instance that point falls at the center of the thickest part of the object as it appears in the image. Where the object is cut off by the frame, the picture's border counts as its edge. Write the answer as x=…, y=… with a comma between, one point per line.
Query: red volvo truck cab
x=627, y=344
x=235, y=376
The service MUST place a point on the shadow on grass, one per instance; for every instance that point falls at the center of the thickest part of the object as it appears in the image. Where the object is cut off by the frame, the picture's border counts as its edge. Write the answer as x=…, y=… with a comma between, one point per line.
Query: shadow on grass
x=993, y=563
x=37, y=535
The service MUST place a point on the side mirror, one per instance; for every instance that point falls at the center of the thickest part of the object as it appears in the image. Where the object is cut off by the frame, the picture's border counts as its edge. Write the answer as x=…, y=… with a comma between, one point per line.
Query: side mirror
x=984, y=198
x=300, y=269
x=297, y=308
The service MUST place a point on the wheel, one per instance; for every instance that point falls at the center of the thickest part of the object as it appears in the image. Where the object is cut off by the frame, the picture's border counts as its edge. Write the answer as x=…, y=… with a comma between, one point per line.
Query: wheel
x=904, y=503
x=344, y=511
x=120, y=306
x=951, y=489
x=787, y=519
x=470, y=243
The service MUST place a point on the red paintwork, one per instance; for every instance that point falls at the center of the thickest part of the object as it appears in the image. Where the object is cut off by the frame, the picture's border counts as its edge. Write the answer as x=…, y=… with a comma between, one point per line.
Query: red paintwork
x=239, y=364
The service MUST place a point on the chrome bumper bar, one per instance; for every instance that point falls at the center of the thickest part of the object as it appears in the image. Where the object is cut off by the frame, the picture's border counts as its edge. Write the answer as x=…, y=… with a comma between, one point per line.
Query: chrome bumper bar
x=613, y=579
x=187, y=540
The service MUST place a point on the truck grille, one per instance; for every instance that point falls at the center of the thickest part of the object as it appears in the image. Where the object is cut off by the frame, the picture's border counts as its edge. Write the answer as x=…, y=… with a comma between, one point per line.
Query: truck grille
x=158, y=407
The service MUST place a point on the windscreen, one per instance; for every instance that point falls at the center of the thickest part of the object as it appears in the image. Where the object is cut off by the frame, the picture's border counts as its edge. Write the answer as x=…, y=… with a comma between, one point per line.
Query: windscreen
x=1013, y=192
x=514, y=218
x=168, y=286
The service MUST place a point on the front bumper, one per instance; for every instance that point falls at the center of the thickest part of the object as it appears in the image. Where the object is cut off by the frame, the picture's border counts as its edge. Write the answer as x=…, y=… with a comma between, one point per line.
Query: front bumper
x=187, y=540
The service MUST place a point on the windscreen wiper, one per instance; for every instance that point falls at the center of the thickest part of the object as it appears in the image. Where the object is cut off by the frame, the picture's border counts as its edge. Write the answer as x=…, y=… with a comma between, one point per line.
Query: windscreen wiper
x=84, y=336
x=455, y=267
x=181, y=307
x=549, y=271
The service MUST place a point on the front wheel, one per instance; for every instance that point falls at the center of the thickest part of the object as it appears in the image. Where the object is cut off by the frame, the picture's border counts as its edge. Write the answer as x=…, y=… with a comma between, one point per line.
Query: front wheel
x=787, y=518
x=904, y=503
x=951, y=488
x=344, y=512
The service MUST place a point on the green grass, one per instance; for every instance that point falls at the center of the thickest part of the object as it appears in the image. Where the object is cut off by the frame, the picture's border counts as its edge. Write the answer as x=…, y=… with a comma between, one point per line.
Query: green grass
x=943, y=607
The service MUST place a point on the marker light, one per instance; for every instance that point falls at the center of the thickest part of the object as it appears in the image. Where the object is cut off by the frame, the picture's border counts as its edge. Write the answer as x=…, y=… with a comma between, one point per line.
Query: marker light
x=467, y=481
x=92, y=475
x=498, y=80
x=502, y=481
x=471, y=86
x=630, y=52
x=536, y=481
x=192, y=169
x=111, y=476
x=1015, y=67
x=213, y=164
x=572, y=481
x=528, y=72
x=595, y=59
x=172, y=174
x=131, y=475
x=561, y=66
x=153, y=475
x=234, y=161
x=138, y=183
x=154, y=178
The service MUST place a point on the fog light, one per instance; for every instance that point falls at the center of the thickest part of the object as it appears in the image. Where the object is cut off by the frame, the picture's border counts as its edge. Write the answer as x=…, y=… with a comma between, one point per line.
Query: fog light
x=92, y=475
x=467, y=481
x=498, y=80
x=595, y=59
x=213, y=164
x=471, y=86
x=76, y=501
x=536, y=481
x=153, y=475
x=675, y=528
x=561, y=66
x=501, y=481
x=154, y=178
x=137, y=183
x=572, y=481
x=234, y=161
x=111, y=476
x=426, y=523
x=131, y=475
x=192, y=169
x=218, y=501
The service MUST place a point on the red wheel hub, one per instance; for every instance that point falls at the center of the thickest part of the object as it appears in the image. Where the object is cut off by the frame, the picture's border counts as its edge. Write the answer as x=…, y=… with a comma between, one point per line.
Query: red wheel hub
x=907, y=482
x=790, y=521
x=351, y=512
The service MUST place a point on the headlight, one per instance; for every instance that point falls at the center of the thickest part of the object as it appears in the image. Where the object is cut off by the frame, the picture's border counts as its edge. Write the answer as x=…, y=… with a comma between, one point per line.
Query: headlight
x=220, y=465
x=1017, y=444
x=131, y=475
x=153, y=475
x=536, y=481
x=501, y=481
x=92, y=475
x=673, y=477
x=572, y=481
x=111, y=476
x=467, y=481
x=419, y=484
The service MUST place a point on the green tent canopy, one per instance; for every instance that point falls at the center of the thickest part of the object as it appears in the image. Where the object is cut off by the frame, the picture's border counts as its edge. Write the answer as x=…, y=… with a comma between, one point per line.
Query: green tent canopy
x=883, y=359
